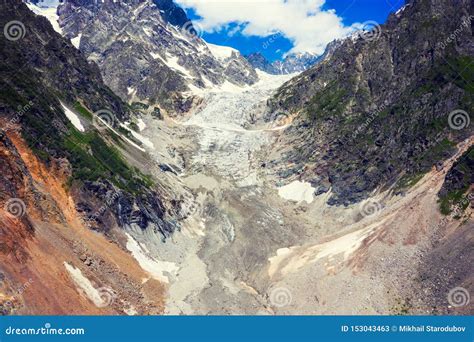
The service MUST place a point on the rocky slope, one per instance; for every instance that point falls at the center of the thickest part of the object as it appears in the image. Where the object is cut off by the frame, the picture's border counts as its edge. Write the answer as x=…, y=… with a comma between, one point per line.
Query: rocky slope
x=384, y=106
x=149, y=52
x=292, y=63
x=69, y=164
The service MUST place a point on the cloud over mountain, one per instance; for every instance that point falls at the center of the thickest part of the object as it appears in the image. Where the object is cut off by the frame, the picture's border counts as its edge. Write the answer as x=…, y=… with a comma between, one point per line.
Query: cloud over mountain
x=304, y=22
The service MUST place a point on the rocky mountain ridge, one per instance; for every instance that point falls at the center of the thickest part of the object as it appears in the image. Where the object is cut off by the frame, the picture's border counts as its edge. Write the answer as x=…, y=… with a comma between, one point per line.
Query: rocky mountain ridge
x=34, y=100
x=290, y=64
x=384, y=106
x=149, y=52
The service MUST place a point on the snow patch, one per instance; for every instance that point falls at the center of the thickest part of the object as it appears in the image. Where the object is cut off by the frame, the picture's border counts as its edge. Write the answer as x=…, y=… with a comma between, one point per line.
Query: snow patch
x=157, y=269
x=121, y=135
x=73, y=118
x=49, y=10
x=297, y=191
x=290, y=260
x=172, y=62
x=141, y=125
x=85, y=285
x=156, y=55
x=77, y=41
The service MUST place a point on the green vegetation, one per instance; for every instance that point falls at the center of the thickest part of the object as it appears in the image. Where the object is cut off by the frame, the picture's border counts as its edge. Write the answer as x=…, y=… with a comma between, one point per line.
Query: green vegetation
x=440, y=151
x=134, y=126
x=408, y=181
x=331, y=101
x=93, y=159
x=457, y=197
x=454, y=199
x=83, y=111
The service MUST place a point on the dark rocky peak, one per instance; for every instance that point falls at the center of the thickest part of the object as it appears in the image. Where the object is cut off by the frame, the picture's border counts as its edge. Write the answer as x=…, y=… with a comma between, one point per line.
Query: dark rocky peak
x=173, y=14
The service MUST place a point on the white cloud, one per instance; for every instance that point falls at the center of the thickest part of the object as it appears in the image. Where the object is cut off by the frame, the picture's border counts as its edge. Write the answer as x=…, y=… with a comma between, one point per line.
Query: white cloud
x=302, y=21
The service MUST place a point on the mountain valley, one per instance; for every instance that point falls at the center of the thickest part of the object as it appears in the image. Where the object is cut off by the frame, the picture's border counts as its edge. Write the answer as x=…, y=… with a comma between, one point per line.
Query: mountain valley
x=146, y=171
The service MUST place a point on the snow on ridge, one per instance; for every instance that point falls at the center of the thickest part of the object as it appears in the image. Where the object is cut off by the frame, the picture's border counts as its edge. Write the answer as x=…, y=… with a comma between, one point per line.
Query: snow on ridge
x=144, y=140
x=221, y=52
x=77, y=41
x=49, y=10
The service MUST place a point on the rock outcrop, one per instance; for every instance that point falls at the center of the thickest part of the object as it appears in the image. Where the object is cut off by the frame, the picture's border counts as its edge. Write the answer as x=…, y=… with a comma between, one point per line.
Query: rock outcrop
x=149, y=51
x=384, y=106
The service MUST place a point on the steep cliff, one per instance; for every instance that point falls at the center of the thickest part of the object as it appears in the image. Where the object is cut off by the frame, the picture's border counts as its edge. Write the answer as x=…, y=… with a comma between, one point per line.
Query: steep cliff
x=150, y=52
x=384, y=106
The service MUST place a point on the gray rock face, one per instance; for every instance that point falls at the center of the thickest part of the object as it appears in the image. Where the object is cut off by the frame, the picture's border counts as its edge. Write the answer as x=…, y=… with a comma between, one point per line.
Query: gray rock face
x=376, y=110
x=148, y=54
x=38, y=70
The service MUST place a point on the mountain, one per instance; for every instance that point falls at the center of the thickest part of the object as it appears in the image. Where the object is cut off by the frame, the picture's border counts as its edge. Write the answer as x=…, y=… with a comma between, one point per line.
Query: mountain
x=258, y=61
x=355, y=176
x=150, y=52
x=68, y=165
x=292, y=63
x=384, y=106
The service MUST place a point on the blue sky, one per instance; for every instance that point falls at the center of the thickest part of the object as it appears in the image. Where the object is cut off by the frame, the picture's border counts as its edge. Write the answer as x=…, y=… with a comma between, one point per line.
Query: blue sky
x=293, y=25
